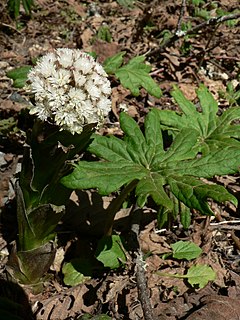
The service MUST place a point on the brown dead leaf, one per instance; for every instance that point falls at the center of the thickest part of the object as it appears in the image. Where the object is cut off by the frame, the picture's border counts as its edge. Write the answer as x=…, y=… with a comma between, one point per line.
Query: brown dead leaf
x=188, y=90
x=105, y=49
x=217, y=308
x=70, y=303
x=85, y=37
x=8, y=105
x=172, y=58
x=78, y=8
x=153, y=242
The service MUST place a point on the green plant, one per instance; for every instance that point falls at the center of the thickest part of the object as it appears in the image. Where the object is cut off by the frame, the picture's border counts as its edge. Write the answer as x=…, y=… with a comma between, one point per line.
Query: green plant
x=41, y=198
x=133, y=75
x=185, y=250
x=142, y=164
x=197, y=275
x=19, y=76
x=214, y=132
x=232, y=95
x=104, y=34
x=14, y=7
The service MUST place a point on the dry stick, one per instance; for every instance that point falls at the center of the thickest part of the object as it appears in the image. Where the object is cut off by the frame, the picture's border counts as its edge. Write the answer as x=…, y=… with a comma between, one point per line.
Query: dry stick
x=178, y=35
x=208, y=43
x=143, y=292
x=182, y=11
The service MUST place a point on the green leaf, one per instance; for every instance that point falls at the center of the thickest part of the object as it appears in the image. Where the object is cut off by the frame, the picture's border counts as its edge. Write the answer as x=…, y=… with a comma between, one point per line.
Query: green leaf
x=112, y=64
x=209, y=108
x=19, y=76
x=218, y=162
x=215, y=132
x=153, y=136
x=27, y=5
x=40, y=175
x=185, y=216
x=72, y=272
x=153, y=185
x=110, y=252
x=14, y=7
x=106, y=176
x=36, y=227
x=200, y=275
x=135, y=74
x=104, y=34
x=185, y=250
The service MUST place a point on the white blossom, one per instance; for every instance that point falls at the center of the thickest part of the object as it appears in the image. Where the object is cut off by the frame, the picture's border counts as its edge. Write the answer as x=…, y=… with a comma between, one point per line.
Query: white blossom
x=71, y=89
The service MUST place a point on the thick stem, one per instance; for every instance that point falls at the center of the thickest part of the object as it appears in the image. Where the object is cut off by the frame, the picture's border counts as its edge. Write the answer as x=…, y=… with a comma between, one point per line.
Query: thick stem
x=115, y=205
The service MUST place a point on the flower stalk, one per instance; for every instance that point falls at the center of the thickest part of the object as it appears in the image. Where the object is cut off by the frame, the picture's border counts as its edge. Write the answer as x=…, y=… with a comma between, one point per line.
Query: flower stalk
x=71, y=99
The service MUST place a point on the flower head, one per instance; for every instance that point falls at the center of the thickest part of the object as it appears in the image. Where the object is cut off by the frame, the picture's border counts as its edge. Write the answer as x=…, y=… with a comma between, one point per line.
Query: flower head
x=71, y=89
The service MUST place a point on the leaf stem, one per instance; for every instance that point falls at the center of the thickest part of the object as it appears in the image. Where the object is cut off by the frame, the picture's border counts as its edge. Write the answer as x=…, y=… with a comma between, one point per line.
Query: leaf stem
x=115, y=205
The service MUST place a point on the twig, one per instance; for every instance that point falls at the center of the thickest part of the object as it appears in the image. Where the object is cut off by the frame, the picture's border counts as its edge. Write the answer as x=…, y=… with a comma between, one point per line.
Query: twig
x=224, y=222
x=143, y=292
x=178, y=35
x=212, y=34
x=10, y=27
x=182, y=11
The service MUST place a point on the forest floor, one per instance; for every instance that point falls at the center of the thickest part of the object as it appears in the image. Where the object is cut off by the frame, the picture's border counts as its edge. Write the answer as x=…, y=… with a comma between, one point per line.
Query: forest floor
x=210, y=56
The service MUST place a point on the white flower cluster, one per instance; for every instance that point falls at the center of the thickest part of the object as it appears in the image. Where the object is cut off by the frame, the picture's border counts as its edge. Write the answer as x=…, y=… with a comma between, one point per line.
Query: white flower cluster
x=71, y=89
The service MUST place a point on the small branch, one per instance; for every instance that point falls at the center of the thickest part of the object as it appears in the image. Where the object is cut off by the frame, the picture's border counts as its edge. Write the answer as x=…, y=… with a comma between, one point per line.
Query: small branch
x=182, y=11
x=181, y=34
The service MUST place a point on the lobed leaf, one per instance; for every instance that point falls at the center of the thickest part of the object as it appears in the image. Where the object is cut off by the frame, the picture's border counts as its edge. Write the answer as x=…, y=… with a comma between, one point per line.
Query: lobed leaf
x=194, y=193
x=107, y=177
x=214, y=131
x=135, y=74
x=152, y=185
x=112, y=64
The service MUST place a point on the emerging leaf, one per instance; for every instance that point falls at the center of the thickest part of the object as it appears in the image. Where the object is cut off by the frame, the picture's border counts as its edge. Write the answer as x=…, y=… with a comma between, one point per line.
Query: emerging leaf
x=185, y=250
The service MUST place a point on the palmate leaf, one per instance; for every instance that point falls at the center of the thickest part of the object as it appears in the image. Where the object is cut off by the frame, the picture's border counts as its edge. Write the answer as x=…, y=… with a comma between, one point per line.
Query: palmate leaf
x=158, y=172
x=214, y=131
x=133, y=75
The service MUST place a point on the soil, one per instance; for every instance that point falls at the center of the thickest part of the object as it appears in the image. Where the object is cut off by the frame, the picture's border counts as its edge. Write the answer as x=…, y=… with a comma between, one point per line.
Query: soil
x=210, y=56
